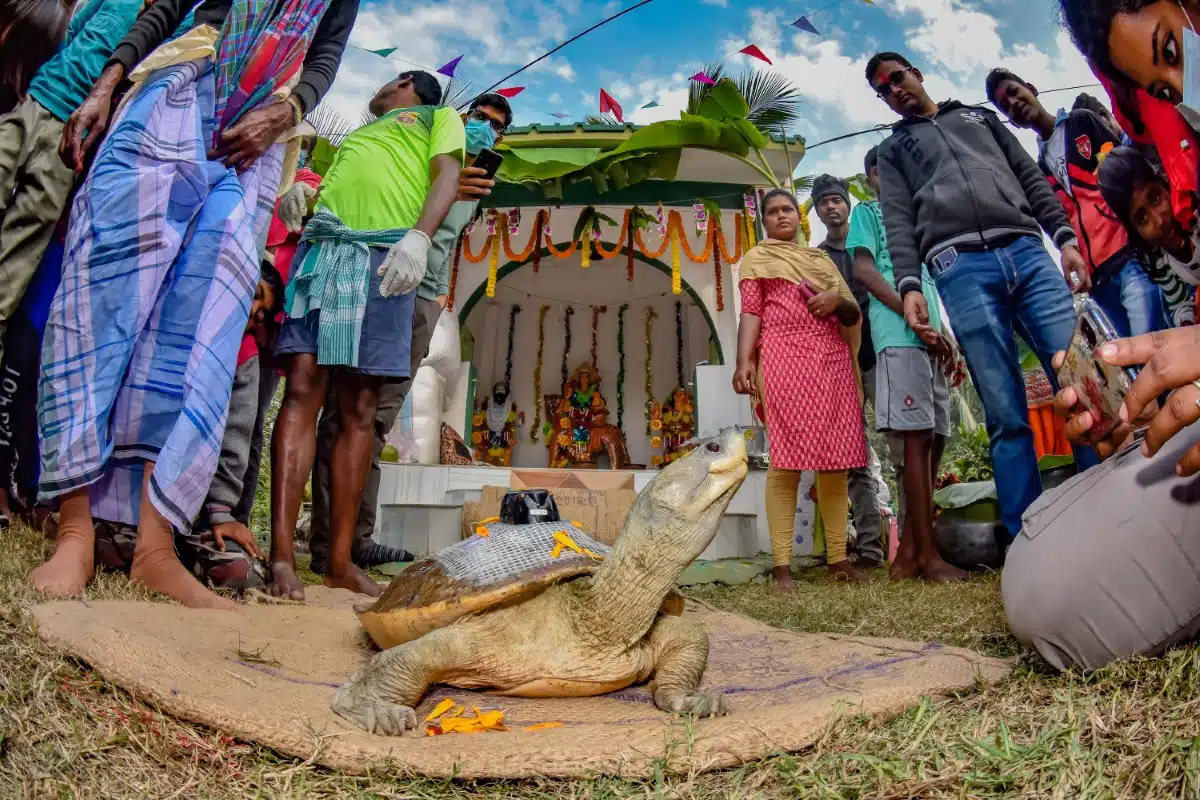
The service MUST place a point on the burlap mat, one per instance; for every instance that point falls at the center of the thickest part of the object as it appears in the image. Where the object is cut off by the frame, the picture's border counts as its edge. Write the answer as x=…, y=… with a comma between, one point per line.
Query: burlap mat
x=268, y=675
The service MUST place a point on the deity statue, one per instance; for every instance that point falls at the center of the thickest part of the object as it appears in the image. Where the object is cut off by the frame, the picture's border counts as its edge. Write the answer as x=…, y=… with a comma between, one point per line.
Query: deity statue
x=495, y=423
x=678, y=424
x=580, y=427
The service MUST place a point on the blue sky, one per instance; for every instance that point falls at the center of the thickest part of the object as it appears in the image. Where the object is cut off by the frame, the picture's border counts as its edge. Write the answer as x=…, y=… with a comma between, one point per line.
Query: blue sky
x=648, y=54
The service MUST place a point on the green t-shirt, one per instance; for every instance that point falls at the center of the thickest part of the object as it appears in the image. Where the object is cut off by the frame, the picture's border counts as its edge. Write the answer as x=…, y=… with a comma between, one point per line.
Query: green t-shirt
x=380, y=175
x=888, y=329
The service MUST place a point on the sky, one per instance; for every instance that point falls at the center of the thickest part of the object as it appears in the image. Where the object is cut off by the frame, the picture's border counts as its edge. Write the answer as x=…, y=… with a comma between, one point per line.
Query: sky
x=648, y=54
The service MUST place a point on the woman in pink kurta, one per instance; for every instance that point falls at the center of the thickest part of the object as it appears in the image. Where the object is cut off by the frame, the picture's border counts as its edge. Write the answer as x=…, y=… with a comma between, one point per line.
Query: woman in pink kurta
x=796, y=341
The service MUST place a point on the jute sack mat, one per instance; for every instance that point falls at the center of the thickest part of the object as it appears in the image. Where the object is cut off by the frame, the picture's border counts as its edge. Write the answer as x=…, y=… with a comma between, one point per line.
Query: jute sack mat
x=268, y=674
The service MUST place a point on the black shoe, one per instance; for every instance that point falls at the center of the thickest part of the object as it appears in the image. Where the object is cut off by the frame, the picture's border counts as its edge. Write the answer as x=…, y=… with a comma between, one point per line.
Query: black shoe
x=373, y=554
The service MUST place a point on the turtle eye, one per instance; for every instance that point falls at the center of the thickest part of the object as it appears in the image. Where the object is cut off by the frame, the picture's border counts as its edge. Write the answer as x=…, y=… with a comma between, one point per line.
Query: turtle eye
x=713, y=447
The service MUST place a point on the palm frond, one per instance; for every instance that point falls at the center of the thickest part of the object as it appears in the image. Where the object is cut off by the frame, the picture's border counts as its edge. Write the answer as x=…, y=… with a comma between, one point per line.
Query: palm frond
x=458, y=94
x=601, y=119
x=773, y=99
x=804, y=183
x=329, y=124
x=366, y=116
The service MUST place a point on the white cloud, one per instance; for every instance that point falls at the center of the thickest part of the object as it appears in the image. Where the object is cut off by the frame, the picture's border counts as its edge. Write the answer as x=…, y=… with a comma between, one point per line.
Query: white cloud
x=721, y=3
x=555, y=99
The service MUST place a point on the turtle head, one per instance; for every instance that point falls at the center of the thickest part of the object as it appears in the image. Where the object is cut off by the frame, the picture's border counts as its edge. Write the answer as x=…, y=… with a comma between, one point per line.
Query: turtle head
x=681, y=509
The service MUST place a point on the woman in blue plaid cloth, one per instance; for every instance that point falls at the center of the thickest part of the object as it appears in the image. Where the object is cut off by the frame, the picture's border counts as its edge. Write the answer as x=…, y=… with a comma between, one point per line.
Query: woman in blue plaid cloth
x=162, y=261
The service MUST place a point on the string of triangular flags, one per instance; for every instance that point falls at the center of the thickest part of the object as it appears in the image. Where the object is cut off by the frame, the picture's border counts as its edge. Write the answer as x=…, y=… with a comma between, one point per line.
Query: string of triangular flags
x=804, y=23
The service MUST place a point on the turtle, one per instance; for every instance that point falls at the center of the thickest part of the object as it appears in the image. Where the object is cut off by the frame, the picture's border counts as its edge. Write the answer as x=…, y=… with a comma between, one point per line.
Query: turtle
x=602, y=620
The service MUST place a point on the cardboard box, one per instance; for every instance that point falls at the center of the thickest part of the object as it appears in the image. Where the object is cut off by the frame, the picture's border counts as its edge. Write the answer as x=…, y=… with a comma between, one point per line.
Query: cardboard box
x=600, y=512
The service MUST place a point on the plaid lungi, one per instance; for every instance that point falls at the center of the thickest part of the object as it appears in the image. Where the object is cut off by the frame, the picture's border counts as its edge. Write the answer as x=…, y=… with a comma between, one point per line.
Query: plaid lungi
x=163, y=256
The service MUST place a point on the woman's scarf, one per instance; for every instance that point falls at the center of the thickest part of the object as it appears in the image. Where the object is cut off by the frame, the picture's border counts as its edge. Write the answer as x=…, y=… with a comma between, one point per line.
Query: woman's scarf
x=262, y=46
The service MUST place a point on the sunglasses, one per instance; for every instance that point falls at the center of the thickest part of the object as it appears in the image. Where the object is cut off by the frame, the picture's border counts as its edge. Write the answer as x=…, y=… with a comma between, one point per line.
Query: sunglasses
x=481, y=116
x=894, y=79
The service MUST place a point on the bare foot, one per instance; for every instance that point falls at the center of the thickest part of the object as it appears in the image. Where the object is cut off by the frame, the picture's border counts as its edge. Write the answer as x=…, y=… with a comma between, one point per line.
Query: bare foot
x=284, y=582
x=939, y=571
x=159, y=569
x=73, y=563
x=783, y=580
x=353, y=579
x=845, y=571
x=904, y=571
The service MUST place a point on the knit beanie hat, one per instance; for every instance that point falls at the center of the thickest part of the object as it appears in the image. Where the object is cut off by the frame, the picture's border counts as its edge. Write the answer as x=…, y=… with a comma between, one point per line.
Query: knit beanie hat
x=827, y=184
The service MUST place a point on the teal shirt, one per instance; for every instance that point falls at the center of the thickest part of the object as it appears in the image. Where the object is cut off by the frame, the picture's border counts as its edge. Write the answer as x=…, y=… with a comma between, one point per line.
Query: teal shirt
x=441, y=250
x=888, y=329
x=63, y=82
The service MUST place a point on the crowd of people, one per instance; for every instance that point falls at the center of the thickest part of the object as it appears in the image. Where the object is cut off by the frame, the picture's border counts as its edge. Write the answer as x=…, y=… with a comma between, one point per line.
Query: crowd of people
x=166, y=258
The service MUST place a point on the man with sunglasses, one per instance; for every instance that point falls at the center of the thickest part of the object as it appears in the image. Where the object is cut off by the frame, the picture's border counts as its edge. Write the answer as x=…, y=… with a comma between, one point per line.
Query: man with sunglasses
x=1071, y=147
x=962, y=196
x=485, y=122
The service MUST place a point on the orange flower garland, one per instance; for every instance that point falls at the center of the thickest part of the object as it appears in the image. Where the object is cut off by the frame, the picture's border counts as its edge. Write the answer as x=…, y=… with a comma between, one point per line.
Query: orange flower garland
x=621, y=238
x=458, y=248
x=570, y=251
x=530, y=246
x=479, y=257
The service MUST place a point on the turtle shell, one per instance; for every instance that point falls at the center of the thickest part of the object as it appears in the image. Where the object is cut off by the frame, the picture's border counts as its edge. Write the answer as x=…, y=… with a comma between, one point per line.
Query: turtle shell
x=510, y=564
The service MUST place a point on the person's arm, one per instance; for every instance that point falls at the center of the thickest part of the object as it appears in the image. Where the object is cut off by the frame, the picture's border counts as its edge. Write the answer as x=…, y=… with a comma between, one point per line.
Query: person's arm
x=1047, y=209
x=442, y=193
x=1180, y=305
x=325, y=53
x=81, y=18
x=900, y=220
x=848, y=312
x=745, y=377
x=151, y=29
x=866, y=274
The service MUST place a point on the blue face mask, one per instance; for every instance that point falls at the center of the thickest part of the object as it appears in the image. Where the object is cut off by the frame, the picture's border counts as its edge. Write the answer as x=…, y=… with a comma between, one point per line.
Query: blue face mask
x=1190, y=107
x=480, y=135
x=302, y=160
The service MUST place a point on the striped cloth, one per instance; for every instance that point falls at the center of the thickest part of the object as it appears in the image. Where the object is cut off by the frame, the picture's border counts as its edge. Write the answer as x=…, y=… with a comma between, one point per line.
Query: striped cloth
x=262, y=46
x=334, y=279
x=161, y=267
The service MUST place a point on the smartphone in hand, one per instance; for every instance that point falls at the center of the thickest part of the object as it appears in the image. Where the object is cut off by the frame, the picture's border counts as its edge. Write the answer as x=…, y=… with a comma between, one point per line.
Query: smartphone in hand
x=1101, y=386
x=488, y=161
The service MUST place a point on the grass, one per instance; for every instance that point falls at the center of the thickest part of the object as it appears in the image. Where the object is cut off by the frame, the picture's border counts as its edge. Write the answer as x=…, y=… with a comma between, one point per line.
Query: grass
x=1129, y=731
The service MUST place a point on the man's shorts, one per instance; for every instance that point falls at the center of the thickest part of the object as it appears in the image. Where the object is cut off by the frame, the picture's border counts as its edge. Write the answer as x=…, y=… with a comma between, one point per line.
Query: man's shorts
x=387, y=326
x=911, y=392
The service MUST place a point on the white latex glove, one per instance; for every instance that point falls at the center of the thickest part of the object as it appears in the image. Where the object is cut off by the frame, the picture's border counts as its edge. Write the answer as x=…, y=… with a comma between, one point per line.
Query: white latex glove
x=404, y=265
x=293, y=206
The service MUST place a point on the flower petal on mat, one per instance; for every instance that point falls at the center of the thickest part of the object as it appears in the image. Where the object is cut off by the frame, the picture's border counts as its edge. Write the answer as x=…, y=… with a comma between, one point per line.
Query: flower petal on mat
x=541, y=726
x=440, y=709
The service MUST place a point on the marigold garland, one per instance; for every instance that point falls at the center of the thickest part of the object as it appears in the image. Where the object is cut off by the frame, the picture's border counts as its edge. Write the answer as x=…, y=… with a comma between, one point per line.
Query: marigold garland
x=620, y=240
x=621, y=365
x=687, y=247
x=805, y=228
x=585, y=260
x=537, y=244
x=662, y=248
x=651, y=315
x=739, y=228
x=530, y=246
x=537, y=375
x=512, y=336
x=678, y=342
x=628, y=257
x=567, y=314
x=554, y=251
x=596, y=312
x=751, y=239
x=673, y=233
x=493, y=263
x=717, y=278
x=458, y=248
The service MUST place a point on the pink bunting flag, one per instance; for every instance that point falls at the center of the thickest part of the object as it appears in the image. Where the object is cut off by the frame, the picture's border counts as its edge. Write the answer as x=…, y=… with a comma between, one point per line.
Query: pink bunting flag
x=510, y=92
x=753, y=51
x=700, y=77
x=610, y=106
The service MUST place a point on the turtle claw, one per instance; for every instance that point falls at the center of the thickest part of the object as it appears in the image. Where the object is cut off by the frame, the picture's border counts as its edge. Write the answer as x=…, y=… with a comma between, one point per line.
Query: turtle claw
x=692, y=703
x=373, y=716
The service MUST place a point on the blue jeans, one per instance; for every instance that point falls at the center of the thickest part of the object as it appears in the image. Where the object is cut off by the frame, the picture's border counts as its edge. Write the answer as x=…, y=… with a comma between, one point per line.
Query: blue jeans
x=987, y=295
x=1134, y=303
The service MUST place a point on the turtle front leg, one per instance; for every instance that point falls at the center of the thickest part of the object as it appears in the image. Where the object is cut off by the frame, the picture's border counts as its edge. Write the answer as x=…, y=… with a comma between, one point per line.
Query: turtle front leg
x=680, y=651
x=382, y=696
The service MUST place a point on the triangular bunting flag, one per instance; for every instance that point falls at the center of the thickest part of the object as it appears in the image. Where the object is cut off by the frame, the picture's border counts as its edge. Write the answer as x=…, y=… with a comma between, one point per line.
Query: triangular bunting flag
x=448, y=68
x=700, y=77
x=510, y=92
x=651, y=104
x=559, y=115
x=804, y=25
x=385, y=52
x=610, y=106
x=753, y=51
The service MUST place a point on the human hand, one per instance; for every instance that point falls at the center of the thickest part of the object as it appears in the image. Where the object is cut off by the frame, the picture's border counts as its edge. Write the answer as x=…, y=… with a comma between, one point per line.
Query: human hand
x=243, y=143
x=293, y=206
x=916, y=311
x=946, y=353
x=1080, y=421
x=1076, y=270
x=442, y=300
x=1172, y=362
x=745, y=379
x=824, y=304
x=473, y=183
x=87, y=124
x=404, y=265
x=240, y=535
